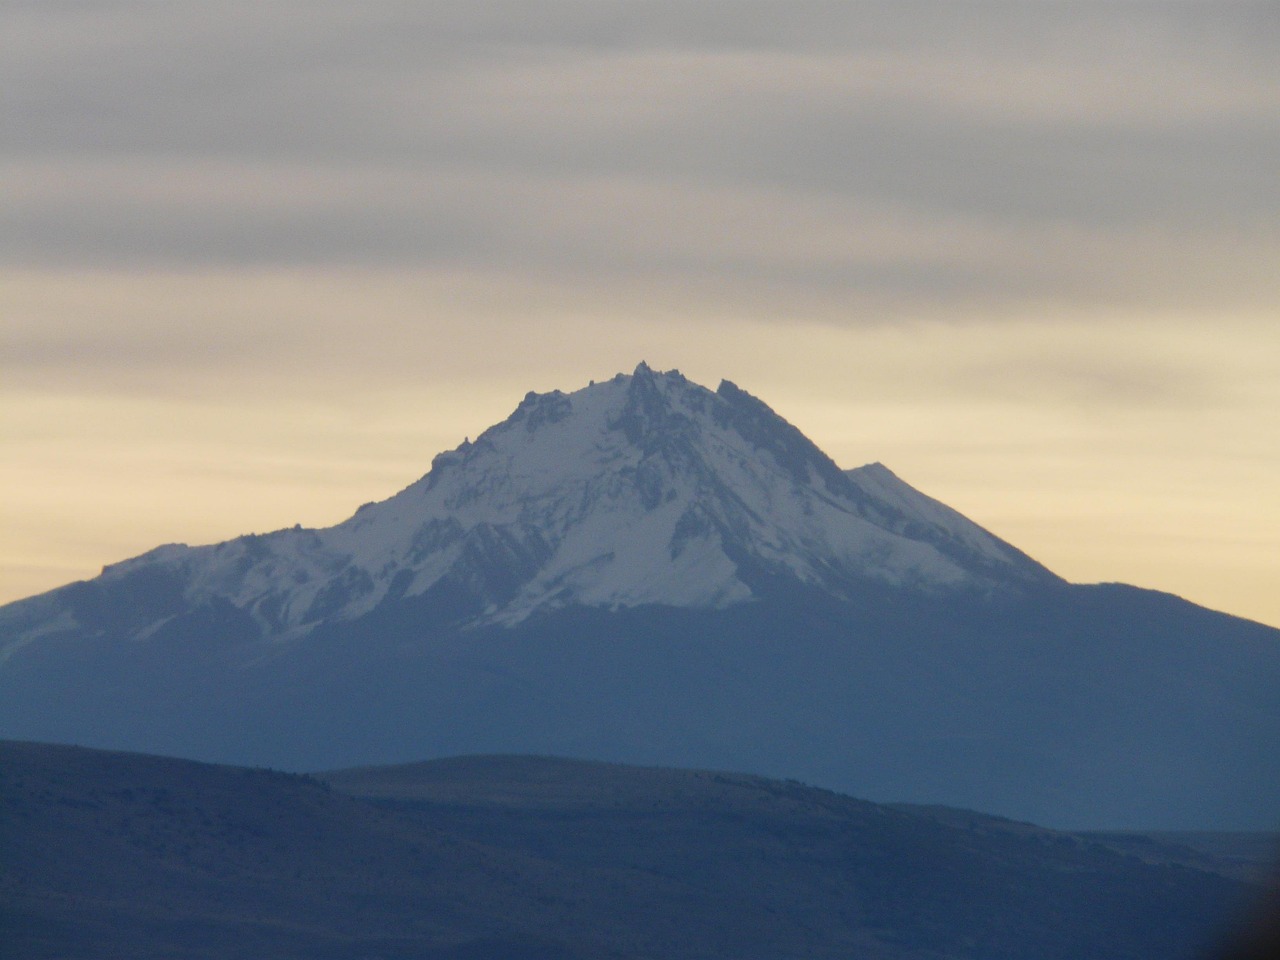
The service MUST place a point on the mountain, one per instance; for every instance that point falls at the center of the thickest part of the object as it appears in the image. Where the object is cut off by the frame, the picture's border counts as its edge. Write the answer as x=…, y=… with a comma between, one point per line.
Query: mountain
x=648, y=571
x=106, y=855
x=645, y=489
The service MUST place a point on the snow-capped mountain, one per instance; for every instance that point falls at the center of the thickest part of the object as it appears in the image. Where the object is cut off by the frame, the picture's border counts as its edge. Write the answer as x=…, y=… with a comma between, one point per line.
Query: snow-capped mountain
x=643, y=489
x=648, y=571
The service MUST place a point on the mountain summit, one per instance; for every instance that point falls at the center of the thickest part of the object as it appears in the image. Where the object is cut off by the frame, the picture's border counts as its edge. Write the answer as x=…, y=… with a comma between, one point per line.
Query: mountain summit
x=648, y=571
x=643, y=489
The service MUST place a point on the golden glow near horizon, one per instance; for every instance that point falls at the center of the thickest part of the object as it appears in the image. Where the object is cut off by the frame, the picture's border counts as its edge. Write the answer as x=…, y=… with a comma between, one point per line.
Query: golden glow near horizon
x=1154, y=466
x=259, y=264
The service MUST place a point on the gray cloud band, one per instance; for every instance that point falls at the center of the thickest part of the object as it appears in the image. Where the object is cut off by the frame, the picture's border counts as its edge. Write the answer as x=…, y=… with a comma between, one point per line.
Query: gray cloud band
x=906, y=149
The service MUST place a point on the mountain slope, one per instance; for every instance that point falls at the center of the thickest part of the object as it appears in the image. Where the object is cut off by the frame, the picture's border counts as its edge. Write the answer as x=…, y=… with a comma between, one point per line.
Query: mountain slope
x=642, y=489
x=647, y=571
x=109, y=855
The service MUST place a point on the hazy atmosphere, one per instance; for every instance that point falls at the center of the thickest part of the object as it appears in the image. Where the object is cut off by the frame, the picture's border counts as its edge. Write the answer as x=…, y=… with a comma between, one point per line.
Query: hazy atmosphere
x=261, y=262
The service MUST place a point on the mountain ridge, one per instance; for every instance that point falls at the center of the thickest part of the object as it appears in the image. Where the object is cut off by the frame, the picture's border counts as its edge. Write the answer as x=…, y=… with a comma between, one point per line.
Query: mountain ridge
x=641, y=489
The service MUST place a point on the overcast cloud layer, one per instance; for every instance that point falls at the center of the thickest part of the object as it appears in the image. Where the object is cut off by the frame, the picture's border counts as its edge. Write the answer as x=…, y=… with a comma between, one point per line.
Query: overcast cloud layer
x=981, y=238
x=1018, y=152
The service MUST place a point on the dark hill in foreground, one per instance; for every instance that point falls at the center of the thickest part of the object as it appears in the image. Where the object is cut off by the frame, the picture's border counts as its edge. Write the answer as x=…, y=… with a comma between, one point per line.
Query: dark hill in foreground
x=130, y=856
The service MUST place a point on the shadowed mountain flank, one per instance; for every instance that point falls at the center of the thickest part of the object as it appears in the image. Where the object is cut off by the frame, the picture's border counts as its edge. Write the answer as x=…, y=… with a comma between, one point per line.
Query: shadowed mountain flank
x=648, y=571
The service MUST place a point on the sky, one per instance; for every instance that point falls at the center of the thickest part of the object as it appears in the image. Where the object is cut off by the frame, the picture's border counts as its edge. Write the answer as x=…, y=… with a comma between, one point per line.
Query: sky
x=260, y=262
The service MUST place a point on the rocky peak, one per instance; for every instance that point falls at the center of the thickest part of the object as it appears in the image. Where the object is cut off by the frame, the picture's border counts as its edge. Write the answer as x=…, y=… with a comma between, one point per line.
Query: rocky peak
x=643, y=489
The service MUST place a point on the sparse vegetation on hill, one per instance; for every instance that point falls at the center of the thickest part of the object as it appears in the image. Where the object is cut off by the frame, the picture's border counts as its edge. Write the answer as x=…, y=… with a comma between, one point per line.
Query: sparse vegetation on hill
x=127, y=856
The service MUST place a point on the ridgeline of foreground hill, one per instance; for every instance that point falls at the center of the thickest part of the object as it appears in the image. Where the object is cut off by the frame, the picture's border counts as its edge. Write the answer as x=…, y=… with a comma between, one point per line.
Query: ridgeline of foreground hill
x=108, y=855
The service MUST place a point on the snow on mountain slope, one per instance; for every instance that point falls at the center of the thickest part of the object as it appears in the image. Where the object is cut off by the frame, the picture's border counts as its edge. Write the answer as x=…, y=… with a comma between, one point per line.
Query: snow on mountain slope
x=643, y=489
x=922, y=517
